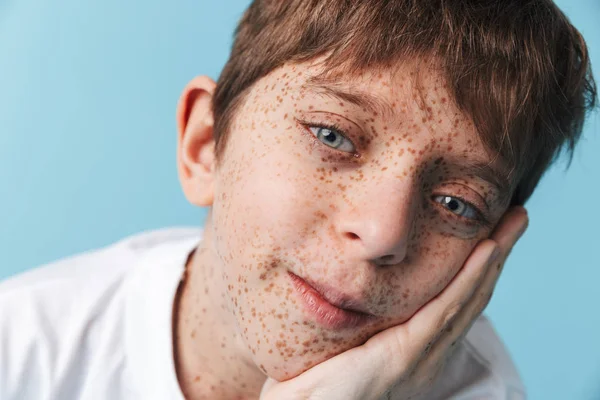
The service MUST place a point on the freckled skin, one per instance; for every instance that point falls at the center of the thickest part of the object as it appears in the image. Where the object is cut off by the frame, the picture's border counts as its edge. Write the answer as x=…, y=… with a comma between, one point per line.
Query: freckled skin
x=364, y=222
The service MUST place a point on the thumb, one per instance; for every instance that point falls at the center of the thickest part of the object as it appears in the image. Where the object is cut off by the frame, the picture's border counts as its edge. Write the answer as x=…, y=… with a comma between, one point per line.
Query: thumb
x=267, y=387
x=353, y=374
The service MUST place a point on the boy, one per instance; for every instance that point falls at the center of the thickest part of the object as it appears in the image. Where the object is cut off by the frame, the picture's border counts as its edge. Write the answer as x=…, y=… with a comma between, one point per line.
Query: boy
x=365, y=164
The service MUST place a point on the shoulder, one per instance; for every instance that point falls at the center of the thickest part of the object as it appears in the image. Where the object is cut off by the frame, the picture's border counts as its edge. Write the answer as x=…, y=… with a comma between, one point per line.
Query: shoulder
x=61, y=315
x=481, y=367
x=92, y=268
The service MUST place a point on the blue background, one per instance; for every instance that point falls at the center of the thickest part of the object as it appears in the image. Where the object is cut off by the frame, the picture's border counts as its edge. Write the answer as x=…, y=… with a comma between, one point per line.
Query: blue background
x=88, y=91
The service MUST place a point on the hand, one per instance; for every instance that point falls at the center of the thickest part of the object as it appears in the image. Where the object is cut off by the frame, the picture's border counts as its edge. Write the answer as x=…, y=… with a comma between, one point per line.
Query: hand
x=401, y=362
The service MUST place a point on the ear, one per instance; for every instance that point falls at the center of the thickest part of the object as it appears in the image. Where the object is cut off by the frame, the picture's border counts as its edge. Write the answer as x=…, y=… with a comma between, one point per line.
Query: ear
x=195, y=143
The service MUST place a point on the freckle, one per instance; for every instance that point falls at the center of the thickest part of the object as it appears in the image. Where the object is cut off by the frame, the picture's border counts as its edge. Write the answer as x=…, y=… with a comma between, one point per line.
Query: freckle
x=197, y=378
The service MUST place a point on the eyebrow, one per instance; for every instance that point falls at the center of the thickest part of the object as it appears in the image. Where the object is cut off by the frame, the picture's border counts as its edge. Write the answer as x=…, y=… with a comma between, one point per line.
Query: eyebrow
x=490, y=174
x=379, y=106
x=367, y=101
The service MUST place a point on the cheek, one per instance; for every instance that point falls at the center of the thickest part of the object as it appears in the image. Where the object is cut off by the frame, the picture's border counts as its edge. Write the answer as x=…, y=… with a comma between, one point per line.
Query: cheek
x=432, y=267
x=263, y=211
x=263, y=205
x=267, y=186
x=432, y=260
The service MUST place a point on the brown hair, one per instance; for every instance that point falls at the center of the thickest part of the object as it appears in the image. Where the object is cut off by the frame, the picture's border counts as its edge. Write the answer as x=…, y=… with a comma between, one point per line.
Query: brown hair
x=518, y=68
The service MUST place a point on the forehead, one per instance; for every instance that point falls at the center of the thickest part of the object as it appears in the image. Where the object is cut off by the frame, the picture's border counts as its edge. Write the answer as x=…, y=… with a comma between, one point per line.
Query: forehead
x=387, y=92
x=415, y=92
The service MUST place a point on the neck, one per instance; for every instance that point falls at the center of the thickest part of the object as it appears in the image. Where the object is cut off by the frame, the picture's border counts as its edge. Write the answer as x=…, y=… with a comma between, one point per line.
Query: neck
x=210, y=357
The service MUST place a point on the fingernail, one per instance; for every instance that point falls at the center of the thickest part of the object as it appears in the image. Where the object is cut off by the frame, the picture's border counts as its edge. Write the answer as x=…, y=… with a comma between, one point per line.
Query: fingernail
x=523, y=228
x=522, y=209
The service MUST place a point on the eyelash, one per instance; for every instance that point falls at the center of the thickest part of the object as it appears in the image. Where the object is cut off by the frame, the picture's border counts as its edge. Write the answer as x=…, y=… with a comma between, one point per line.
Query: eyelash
x=330, y=126
x=480, y=218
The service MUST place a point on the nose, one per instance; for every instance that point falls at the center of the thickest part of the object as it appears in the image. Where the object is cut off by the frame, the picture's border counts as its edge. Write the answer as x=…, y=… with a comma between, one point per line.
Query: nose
x=379, y=230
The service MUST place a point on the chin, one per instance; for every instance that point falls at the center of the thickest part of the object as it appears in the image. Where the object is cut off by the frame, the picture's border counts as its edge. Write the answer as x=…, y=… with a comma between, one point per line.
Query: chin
x=282, y=369
x=301, y=358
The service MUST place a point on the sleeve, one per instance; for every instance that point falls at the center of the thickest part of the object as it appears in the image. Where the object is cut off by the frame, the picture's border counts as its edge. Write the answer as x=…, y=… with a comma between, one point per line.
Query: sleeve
x=28, y=346
x=480, y=369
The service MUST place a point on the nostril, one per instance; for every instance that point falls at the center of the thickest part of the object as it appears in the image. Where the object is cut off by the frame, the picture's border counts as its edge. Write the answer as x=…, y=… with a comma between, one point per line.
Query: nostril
x=352, y=236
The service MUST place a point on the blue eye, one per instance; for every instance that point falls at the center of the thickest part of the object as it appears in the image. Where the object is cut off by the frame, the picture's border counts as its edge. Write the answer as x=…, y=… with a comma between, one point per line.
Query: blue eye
x=332, y=138
x=457, y=206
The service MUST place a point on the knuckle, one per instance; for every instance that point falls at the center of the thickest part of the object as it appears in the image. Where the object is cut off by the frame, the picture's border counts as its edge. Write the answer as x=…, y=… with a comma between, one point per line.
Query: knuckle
x=489, y=297
x=436, y=372
x=427, y=348
x=424, y=380
x=500, y=265
x=484, y=300
x=451, y=312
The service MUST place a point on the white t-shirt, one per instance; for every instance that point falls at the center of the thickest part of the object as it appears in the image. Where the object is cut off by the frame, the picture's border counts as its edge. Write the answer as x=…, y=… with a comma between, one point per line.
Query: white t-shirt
x=97, y=325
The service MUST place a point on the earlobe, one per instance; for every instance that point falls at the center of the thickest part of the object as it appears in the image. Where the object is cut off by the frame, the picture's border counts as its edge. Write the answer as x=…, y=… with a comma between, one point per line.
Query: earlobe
x=195, y=142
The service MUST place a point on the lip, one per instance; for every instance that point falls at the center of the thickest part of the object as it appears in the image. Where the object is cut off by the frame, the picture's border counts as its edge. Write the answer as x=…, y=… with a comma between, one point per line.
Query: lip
x=325, y=313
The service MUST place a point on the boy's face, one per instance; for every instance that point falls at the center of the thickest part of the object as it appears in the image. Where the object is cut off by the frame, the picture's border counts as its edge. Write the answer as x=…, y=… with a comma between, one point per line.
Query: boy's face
x=378, y=208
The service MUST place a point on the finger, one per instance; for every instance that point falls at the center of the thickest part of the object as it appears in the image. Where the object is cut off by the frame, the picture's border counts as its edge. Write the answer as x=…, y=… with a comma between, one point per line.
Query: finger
x=510, y=229
x=507, y=233
x=461, y=324
x=450, y=318
x=458, y=327
x=428, y=323
x=417, y=337
x=267, y=387
x=401, y=348
x=435, y=329
x=360, y=381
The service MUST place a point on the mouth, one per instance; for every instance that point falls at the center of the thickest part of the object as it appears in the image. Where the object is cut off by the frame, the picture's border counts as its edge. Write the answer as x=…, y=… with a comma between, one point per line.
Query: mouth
x=329, y=314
